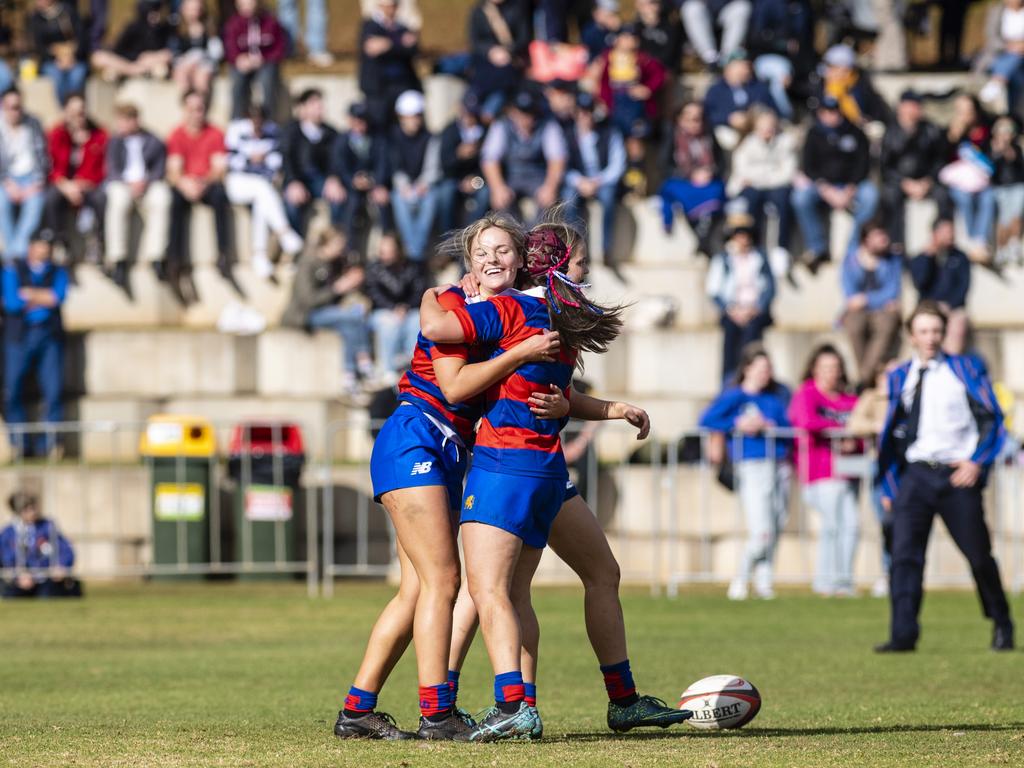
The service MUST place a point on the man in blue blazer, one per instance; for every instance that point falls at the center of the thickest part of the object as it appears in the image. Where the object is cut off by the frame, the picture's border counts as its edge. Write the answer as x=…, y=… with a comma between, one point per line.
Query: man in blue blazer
x=943, y=432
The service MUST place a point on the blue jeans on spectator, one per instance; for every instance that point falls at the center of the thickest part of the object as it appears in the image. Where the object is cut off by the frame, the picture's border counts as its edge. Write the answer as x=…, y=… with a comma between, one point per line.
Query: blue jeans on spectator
x=758, y=203
x=316, y=23
x=16, y=230
x=6, y=77
x=414, y=218
x=607, y=196
x=297, y=213
x=40, y=349
x=835, y=501
x=455, y=208
x=807, y=204
x=1010, y=67
x=394, y=337
x=66, y=81
x=978, y=210
x=630, y=116
x=776, y=71
x=349, y=322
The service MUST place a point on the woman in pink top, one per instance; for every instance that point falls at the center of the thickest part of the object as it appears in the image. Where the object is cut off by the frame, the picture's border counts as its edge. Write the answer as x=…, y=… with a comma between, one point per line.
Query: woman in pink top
x=822, y=404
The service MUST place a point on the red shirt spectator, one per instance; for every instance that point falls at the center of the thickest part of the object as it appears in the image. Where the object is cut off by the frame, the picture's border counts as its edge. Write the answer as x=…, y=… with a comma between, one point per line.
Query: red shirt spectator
x=197, y=150
x=255, y=33
x=83, y=160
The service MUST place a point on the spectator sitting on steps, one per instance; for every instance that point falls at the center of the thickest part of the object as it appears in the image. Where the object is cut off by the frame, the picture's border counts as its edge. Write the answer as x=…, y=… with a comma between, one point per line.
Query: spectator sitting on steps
x=35, y=550
x=325, y=294
x=142, y=50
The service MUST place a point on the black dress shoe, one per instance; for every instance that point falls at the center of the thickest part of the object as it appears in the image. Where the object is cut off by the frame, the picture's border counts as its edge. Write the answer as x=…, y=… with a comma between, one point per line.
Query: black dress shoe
x=121, y=276
x=891, y=647
x=1002, y=638
x=160, y=270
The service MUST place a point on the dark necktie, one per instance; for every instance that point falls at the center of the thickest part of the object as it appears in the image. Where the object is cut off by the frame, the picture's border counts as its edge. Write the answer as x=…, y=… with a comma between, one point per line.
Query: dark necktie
x=914, y=419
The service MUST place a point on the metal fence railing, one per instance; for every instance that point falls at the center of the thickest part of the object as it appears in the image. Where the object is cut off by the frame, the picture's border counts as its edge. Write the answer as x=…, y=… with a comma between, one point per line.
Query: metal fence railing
x=251, y=507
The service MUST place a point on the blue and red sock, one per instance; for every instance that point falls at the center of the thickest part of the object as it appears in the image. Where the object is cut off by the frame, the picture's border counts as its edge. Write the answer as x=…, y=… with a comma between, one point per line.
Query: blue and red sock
x=509, y=691
x=359, y=702
x=618, y=681
x=453, y=683
x=436, y=701
x=530, y=693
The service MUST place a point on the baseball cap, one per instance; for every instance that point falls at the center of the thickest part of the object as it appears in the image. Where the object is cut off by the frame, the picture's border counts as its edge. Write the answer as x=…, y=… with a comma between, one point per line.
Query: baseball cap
x=737, y=54
x=612, y=6
x=358, y=110
x=910, y=95
x=840, y=56
x=409, y=103
x=43, y=235
x=560, y=84
x=526, y=102
x=741, y=221
x=828, y=102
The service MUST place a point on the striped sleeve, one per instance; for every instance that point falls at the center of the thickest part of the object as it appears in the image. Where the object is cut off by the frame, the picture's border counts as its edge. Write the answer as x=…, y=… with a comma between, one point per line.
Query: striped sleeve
x=483, y=322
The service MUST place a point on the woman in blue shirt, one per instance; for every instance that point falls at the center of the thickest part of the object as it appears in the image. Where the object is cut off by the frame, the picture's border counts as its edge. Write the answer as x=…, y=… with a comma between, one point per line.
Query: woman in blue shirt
x=746, y=411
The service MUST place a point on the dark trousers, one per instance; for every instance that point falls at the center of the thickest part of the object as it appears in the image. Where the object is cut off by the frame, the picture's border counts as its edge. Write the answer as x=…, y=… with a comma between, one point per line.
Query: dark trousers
x=47, y=588
x=924, y=492
x=737, y=337
x=39, y=349
x=758, y=203
x=60, y=215
x=894, y=204
x=347, y=215
x=269, y=78
x=342, y=214
x=178, y=251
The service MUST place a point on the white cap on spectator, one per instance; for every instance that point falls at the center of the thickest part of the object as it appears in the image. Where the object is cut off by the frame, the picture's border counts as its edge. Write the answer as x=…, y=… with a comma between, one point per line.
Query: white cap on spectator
x=612, y=6
x=409, y=103
x=840, y=56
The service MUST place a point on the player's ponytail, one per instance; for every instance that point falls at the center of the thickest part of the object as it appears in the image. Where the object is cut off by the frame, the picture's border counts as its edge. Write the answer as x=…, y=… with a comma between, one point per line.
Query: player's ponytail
x=584, y=325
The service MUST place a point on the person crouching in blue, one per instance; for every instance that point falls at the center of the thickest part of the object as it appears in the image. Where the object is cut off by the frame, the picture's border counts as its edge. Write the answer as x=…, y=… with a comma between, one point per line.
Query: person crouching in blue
x=35, y=558
x=33, y=290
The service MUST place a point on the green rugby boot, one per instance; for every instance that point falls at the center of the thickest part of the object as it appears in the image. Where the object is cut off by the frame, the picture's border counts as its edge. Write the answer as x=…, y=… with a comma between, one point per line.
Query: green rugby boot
x=646, y=711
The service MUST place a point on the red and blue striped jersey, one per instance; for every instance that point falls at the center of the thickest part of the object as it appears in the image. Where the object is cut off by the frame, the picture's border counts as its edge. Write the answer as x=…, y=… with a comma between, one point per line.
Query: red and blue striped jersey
x=510, y=438
x=419, y=384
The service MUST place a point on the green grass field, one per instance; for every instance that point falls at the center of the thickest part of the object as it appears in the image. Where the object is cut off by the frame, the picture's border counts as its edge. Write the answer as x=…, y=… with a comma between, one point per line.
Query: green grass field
x=252, y=675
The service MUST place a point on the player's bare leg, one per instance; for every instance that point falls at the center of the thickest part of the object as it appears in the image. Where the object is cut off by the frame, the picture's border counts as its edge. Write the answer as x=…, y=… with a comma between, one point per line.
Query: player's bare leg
x=493, y=557
x=577, y=538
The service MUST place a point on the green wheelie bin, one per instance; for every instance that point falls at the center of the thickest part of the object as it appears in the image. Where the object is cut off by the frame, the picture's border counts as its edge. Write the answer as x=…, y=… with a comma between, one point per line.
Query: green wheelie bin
x=179, y=451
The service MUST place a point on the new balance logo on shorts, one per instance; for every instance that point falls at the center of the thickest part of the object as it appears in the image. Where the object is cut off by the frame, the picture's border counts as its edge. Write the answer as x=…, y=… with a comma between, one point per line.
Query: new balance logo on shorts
x=421, y=467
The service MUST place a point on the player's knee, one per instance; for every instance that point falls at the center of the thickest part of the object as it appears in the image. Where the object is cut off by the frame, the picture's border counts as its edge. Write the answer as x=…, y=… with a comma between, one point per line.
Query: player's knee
x=446, y=585
x=606, y=577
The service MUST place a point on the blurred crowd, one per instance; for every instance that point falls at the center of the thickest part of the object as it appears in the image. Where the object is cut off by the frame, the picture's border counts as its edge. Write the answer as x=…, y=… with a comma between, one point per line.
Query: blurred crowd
x=576, y=102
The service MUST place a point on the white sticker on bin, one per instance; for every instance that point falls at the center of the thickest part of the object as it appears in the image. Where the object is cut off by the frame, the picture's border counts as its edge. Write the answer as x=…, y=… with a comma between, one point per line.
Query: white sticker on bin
x=164, y=433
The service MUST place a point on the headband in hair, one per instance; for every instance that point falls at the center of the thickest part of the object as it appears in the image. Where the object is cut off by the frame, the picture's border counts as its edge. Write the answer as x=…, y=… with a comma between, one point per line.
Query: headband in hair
x=545, y=251
x=546, y=255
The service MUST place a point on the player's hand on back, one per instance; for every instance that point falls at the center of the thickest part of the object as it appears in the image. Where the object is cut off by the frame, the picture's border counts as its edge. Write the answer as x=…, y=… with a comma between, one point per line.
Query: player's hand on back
x=549, y=405
x=540, y=348
x=470, y=285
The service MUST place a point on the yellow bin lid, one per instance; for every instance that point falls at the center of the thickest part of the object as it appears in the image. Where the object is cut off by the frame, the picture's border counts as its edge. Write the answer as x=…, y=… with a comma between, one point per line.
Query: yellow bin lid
x=172, y=434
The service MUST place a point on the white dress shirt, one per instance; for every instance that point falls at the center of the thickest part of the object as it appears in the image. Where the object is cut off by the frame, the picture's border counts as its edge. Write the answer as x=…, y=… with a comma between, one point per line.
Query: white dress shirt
x=947, y=431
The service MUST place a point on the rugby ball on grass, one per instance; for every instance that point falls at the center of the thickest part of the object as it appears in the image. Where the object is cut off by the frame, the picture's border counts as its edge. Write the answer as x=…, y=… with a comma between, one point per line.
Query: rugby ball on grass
x=721, y=701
